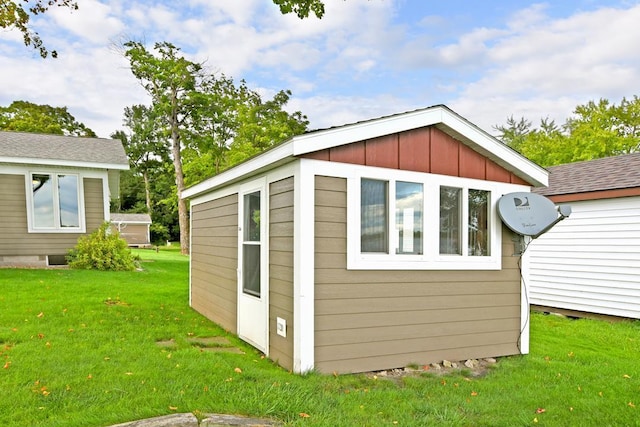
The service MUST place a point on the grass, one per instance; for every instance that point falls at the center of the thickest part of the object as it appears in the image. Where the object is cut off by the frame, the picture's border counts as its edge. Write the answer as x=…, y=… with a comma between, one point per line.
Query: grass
x=79, y=348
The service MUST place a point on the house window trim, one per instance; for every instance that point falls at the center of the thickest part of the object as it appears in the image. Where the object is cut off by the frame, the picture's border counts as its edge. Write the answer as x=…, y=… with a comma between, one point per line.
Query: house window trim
x=430, y=259
x=31, y=228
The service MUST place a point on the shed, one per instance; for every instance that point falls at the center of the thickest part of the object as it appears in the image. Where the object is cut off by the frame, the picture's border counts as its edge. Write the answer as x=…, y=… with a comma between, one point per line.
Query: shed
x=54, y=189
x=132, y=227
x=589, y=264
x=366, y=246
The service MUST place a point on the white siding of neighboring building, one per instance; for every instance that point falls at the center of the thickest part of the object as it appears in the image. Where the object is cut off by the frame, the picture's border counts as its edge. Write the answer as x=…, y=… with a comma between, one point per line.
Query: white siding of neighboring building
x=589, y=262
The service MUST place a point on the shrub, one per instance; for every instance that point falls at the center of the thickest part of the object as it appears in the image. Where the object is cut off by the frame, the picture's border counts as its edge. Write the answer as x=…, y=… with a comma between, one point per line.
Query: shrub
x=103, y=249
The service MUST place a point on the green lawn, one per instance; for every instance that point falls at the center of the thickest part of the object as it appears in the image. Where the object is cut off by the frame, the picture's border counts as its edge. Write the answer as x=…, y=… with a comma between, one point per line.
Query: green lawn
x=79, y=348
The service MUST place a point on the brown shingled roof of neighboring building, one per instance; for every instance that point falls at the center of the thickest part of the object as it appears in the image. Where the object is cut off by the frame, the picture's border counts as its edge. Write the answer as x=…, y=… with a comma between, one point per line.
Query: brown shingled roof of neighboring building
x=609, y=173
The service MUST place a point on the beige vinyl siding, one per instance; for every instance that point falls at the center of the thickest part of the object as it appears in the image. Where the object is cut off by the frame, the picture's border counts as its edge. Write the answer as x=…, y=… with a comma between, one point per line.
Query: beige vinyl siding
x=17, y=241
x=368, y=320
x=214, y=260
x=281, y=270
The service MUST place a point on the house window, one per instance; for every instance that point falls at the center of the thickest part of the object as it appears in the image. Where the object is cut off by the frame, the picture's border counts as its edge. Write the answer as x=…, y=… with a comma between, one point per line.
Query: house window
x=55, y=202
x=478, y=223
x=415, y=221
x=409, y=206
x=450, y=208
x=374, y=216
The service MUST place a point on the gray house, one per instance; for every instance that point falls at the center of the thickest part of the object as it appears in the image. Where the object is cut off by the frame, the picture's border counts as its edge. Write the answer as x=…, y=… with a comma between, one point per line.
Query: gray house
x=54, y=189
x=367, y=246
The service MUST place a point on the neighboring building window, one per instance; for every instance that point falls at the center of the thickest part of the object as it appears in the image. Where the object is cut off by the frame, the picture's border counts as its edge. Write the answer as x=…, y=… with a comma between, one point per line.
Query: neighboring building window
x=55, y=202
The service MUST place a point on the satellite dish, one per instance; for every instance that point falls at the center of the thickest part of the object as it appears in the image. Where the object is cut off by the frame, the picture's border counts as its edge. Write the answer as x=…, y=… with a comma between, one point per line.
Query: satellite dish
x=529, y=214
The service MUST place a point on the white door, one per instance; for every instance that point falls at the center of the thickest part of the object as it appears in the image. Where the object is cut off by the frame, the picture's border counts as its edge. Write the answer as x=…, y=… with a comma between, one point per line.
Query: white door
x=252, y=282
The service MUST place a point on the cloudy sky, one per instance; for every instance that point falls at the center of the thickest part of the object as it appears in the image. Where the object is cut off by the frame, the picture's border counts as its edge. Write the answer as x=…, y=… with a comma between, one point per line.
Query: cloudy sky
x=486, y=60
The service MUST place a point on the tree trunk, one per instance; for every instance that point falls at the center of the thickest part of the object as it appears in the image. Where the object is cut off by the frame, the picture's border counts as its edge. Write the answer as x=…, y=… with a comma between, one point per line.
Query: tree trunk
x=147, y=190
x=183, y=214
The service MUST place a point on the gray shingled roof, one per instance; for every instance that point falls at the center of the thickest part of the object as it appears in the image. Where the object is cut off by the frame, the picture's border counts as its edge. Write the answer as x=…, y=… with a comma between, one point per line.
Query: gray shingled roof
x=609, y=173
x=130, y=217
x=63, y=149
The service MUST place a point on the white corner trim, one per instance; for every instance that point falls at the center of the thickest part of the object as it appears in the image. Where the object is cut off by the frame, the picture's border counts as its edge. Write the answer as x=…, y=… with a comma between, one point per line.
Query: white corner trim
x=303, y=261
x=525, y=318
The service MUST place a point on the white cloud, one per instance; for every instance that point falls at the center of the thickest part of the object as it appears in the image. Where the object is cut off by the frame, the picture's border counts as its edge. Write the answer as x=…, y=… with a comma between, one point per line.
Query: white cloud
x=93, y=22
x=357, y=62
x=545, y=67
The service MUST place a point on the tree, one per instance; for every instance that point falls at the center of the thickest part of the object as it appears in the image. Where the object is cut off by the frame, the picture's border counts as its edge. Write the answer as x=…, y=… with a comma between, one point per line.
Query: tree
x=207, y=121
x=170, y=80
x=302, y=8
x=596, y=129
x=263, y=124
x=515, y=132
x=14, y=14
x=25, y=116
x=146, y=151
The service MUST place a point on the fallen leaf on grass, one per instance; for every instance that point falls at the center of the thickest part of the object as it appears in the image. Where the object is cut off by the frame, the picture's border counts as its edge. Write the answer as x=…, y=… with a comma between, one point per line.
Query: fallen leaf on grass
x=474, y=393
x=631, y=404
x=173, y=408
x=626, y=376
x=237, y=370
x=41, y=314
x=540, y=411
x=6, y=365
x=304, y=415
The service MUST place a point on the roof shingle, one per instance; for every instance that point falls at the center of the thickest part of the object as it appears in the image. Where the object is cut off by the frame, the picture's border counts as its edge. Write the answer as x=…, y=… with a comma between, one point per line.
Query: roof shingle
x=22, y=145
x=609, y=173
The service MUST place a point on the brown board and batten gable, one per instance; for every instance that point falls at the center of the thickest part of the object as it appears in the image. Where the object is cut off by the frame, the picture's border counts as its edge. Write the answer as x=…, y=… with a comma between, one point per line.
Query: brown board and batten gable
x=428, y=150
x=333, y=307
x=89, y=169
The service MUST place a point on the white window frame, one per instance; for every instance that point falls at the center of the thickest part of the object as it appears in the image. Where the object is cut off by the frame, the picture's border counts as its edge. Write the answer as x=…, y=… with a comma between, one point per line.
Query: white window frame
x=430, y=259
x=56, y=205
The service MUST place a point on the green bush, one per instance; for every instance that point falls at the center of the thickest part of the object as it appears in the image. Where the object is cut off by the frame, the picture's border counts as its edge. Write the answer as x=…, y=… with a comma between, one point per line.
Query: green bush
x=103, y=249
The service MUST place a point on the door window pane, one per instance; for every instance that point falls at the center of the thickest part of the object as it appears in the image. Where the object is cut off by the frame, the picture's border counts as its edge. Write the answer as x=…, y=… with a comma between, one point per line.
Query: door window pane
x=374, y=222
x=251, y=269
x=43, y=214
x=68, y=201
x=409, y=197
x=479, y=223
x=252, y=217
x=450, y=206
x=251, y=244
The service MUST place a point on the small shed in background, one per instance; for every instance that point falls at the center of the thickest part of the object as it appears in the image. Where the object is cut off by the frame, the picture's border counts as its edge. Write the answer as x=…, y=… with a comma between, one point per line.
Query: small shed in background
x=590, y=263
x=133, y=227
